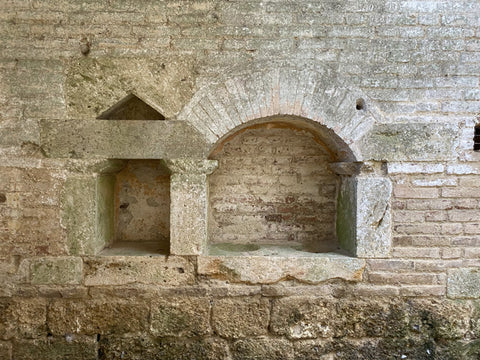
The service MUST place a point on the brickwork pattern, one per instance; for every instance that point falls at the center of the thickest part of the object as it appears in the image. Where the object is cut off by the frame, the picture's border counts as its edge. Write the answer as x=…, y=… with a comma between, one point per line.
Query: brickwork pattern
x=273, y=186
x=216, y=65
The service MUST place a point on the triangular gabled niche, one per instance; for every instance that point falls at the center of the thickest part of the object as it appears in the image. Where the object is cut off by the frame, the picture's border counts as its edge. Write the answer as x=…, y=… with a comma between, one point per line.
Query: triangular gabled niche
x=131, y=107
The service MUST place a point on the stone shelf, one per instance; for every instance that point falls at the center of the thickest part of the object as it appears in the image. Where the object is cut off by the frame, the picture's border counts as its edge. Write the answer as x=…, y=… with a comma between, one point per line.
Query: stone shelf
x=135, y=248
x=269, y=264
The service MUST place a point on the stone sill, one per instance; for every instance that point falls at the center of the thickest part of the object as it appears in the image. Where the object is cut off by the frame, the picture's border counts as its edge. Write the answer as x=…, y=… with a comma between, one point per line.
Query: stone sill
x=134, y=248
x=251, y=268
x=250, y=264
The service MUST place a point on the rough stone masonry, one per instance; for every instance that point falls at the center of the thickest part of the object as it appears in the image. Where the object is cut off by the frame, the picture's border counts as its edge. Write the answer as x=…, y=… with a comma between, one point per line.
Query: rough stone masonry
x=239, y=179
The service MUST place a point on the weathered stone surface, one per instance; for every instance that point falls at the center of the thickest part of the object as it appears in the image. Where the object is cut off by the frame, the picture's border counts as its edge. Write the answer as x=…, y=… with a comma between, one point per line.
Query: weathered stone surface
x=262, y=348
x=22, y=318
x=463, y=283
x=180, y=316
x=240, y=317
x=143, y=347
x=443, y=320
x=56, y=270
x=79, y=215
x=373, y=217
x=89, y=317
x=312, y=268
x=410, y=142
x=186, y=349
x=310, y=317
x=5, y=350
x=123, y=270
x=71, y=347
x=364, y=216
x=121, y=139
x=379, y=349
x=94, y=84
x=189, y=203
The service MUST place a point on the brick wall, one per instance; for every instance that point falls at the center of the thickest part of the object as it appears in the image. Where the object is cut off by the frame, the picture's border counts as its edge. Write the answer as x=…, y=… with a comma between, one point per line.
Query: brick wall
x=273, y=186
x=416, y=65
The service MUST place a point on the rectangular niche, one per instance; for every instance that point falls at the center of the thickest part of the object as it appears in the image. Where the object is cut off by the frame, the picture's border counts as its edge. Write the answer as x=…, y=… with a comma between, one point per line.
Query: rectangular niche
x=141, y=209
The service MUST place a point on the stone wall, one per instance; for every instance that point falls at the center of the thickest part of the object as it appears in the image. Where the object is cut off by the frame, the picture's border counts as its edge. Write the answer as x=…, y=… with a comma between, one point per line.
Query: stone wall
x=390, y=87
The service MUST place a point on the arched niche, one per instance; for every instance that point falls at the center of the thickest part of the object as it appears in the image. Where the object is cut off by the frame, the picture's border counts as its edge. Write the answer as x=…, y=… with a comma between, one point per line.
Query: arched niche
x=278, y=188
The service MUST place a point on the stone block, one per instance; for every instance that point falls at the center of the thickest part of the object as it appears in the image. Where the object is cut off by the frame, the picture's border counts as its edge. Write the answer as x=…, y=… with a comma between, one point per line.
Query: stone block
x=188, y=209
x=442, y=319
x=90, y=317
x=313, y=317
x=69, y=348
x=144, y=347
x=79, y=215
x=313, y=268
x=23, y=318
x=5, y=350
x=262, y=348
x=123, y=270
x=180, y=316
x=410, y=142
x=56, y=270
x=197, y=348
x=463, y=283
x=121, y=139
x=240, y=317
x=304, y=318
x=373, y=217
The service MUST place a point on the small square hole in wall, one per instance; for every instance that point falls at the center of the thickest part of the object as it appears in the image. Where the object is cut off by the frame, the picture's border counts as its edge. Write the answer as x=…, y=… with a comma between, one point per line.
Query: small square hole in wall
x=476, y=138
x=141, y=209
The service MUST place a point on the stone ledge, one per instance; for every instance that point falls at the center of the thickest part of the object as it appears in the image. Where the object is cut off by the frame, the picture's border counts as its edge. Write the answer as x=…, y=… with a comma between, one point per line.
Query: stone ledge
x=311, y=269
x=122, y=270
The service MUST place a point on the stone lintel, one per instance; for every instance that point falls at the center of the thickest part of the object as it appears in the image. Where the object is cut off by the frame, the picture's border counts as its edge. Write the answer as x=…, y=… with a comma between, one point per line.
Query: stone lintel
x=121, y=139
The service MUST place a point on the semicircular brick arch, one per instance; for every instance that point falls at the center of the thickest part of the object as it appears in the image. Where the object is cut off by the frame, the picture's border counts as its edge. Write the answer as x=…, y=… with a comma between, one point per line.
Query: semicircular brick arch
x=319, y=95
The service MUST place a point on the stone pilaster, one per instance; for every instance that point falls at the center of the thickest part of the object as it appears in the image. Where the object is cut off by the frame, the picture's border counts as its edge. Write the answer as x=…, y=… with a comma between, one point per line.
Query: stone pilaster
x=188, y=205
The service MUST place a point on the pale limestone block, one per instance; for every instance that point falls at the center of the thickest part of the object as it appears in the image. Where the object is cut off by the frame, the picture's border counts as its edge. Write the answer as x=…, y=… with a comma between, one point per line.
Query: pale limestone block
x=313, y=268
x=373, y=217
x=410, y=142
x=123, y=270
x=56, y=270
x=189, y=202
x=463, y=283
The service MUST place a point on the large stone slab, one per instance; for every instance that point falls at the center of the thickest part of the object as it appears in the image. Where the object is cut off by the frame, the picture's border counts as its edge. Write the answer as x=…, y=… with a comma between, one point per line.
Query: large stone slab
x=271, y=269
x=410, y=142
x=121, y=139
